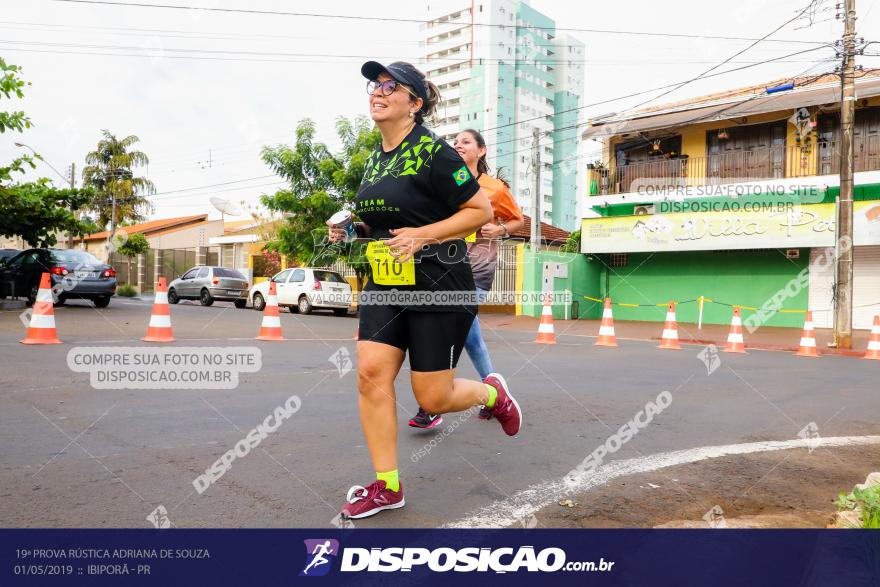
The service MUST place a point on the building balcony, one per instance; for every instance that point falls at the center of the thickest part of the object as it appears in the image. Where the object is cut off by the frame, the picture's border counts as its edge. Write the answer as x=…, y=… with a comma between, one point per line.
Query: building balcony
x=822, y=158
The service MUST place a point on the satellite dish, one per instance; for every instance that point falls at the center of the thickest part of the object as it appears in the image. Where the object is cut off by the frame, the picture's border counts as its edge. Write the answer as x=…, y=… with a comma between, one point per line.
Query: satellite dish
x=225, y=207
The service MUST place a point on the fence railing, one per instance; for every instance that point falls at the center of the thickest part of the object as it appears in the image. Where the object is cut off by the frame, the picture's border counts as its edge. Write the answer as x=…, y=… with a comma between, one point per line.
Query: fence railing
x=174, y=262
x=817, y=158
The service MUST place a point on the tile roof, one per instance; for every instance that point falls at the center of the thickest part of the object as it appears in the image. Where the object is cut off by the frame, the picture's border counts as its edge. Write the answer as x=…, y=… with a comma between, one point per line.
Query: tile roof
x=549, y=234
x=152, y=226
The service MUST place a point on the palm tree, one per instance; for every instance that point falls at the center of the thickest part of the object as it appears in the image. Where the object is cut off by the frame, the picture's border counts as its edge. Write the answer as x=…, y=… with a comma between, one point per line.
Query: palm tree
x=119, y=195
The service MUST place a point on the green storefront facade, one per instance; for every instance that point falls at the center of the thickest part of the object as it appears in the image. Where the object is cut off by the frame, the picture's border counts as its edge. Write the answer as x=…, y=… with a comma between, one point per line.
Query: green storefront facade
x=725, y=256
x=650, y=280
x=745, y=278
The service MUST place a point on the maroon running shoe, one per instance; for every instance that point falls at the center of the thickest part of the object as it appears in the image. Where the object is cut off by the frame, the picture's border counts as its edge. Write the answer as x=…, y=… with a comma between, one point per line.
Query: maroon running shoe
x=425, y=420
x=364, y=502
x=485, y=413
x=506, y=408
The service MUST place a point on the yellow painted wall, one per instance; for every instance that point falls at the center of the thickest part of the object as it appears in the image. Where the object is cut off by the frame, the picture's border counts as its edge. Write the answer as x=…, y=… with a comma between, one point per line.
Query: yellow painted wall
x=693, y=142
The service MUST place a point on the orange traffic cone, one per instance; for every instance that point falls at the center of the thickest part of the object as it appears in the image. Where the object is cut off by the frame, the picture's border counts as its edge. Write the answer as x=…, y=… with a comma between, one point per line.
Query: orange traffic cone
x=735, y=343
x=669, y=338
x=159, y=329
x=270, y=329
x=41, y=329
x=874, y=341
x=546, y=335
x=808, y=339
x=606, y=328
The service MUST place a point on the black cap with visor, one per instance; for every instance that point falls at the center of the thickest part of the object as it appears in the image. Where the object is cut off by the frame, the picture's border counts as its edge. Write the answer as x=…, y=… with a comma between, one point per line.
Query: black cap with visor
x=400, y=71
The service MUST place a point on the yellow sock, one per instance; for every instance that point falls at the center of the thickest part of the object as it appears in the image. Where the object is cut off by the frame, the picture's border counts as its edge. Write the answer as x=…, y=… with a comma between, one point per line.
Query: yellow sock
x=493, y=395
x=390, y=478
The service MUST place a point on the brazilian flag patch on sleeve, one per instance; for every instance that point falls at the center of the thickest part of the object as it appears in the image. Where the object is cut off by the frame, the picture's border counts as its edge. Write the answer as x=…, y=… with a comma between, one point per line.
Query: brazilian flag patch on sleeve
x=462, y=175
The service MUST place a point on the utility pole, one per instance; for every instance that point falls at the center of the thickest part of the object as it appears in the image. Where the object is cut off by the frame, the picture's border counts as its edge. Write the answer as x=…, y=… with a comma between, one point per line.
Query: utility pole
x=844, y=265
x=536, y=201
x=112, y=225
x=112, y=233
x=71, y=179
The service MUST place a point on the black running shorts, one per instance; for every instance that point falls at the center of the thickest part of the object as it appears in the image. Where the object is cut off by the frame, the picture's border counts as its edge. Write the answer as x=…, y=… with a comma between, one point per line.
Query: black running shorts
x=434, y=339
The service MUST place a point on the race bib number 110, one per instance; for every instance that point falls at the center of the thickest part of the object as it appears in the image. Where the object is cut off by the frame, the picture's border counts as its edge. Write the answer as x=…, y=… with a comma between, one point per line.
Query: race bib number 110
x=386, y=269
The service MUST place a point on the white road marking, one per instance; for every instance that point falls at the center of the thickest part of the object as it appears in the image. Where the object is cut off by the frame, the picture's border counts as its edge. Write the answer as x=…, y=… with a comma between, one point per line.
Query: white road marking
x=525, y=503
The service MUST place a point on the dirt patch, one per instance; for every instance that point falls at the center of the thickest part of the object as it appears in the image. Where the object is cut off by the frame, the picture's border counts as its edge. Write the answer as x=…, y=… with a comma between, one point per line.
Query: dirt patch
x=783, y=489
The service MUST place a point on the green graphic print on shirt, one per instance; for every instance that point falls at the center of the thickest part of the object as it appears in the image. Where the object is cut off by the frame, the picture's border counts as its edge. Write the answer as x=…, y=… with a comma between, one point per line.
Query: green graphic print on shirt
x=409, y=161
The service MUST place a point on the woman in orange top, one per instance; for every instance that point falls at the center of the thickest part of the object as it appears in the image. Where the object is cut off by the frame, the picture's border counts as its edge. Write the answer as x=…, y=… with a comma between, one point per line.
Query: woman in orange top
x=483, y=252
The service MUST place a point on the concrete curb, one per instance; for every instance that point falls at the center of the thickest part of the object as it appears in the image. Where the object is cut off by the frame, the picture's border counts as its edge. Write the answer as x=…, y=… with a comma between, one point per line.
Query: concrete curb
x=10, y=305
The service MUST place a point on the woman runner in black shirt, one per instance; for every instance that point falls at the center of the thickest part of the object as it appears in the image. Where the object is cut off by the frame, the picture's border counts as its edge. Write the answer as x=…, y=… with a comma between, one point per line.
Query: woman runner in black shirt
x=417, y=201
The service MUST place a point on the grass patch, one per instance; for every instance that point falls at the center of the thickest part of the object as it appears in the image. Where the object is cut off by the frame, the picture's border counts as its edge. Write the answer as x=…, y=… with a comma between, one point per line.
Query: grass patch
x=866, y=500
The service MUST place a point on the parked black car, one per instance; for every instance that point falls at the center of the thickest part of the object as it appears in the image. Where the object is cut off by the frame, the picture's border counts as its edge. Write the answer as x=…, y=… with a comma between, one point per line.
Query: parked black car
x=79, y=275
x=6, y=254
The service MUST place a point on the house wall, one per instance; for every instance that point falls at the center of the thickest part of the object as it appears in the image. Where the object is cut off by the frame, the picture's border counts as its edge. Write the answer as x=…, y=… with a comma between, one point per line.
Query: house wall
x=189, y=237
x=693, y=140
x=583, y=280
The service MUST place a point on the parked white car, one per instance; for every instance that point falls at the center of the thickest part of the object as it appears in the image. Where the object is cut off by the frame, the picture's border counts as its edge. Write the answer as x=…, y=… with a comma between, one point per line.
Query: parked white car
x=303, y=289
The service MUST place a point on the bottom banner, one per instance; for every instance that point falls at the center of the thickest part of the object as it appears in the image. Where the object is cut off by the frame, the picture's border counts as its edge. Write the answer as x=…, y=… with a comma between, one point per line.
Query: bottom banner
x=402, y=557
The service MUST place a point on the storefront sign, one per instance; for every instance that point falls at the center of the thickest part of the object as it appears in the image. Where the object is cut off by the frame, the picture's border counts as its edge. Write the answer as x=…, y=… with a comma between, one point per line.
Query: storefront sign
x=749, y=227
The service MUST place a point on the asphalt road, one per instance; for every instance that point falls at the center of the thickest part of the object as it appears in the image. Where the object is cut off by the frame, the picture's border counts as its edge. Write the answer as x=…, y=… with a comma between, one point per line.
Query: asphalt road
x=76, y=456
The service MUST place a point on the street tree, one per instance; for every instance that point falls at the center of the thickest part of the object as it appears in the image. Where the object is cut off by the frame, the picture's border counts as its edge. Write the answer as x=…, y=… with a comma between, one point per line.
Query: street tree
x=120, y=196
x=35, y=211
x=320, y=183
x=135, y=244
x=573, y=243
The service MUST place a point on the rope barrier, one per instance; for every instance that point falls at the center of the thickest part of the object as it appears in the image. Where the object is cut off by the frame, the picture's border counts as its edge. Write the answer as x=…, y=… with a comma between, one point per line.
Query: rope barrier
x=710, y=301
x=704, y=300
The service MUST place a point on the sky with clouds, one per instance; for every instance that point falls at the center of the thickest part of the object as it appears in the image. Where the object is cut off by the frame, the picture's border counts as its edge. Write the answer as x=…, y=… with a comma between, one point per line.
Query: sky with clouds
x=205, y=91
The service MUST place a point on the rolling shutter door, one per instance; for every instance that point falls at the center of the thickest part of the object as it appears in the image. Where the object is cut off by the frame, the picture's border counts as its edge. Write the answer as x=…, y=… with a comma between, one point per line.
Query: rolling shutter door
x=821, y=288
x=866, y=288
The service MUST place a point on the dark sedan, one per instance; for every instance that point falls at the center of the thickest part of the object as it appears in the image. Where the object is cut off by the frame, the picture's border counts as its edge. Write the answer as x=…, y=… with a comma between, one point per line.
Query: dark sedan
x=74, y=274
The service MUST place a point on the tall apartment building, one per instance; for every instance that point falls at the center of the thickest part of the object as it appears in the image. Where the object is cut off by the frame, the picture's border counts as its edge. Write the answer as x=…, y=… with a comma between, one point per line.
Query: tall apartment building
x=502, y=70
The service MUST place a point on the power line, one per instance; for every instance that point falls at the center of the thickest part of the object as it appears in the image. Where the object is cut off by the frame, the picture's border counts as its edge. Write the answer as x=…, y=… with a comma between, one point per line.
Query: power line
x=151, y=198
x=689, y=121
x=735, y=55
x=555, y=164
x=714, y=113
x=726, y=71
x=213, y=185
x=610, y=100
x=203, y=35
x=410, y=20
x=244, y=187
x=595, y=104
x=158, y=52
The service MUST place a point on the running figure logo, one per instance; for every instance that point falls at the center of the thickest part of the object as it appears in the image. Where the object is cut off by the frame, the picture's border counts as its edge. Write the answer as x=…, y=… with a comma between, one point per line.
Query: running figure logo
x=318, y=552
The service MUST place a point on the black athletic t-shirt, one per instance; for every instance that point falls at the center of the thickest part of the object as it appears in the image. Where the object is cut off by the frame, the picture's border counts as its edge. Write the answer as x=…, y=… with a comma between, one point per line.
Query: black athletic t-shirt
x=422, y=181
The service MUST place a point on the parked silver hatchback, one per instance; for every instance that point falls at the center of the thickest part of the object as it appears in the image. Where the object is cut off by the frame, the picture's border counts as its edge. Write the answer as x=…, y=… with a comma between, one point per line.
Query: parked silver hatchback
x=208, y=284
